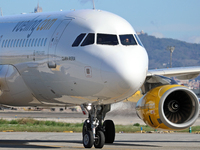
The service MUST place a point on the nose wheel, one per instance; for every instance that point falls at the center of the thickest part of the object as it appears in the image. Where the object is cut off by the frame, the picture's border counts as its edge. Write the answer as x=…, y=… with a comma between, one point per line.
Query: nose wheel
x=88, y=139
x=109, y=131
x=99, y=140
x=94, y=131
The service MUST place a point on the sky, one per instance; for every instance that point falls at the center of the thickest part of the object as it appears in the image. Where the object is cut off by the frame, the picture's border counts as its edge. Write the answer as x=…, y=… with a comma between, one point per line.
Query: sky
x=177, y=19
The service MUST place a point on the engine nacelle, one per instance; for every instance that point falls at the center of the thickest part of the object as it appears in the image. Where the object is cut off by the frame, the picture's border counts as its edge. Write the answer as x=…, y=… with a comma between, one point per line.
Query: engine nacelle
x=169, y=107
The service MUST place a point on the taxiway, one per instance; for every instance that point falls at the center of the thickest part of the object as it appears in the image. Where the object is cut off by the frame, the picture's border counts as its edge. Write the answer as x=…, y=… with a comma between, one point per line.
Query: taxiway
x=51, y=141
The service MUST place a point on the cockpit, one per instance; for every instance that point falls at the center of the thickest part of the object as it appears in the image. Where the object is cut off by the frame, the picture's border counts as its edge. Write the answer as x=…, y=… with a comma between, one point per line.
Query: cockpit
x=106, y=39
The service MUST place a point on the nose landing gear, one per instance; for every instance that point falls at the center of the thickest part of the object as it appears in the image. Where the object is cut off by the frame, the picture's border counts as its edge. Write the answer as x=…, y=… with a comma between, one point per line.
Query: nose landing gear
x=88, y=139
x=94, y=132
x=99, y=139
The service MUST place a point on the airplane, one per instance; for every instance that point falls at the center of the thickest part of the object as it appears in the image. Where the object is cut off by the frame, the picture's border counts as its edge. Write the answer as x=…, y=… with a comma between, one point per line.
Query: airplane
x=89, y=58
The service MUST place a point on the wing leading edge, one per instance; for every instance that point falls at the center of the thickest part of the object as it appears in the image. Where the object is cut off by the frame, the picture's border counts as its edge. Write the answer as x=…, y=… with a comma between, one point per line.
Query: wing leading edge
x=183, y=73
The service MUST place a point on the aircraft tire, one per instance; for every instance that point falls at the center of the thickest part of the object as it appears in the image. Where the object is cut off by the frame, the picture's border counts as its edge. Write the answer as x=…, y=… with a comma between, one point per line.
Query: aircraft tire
x=100, y=140
x=109, y=131
x=88, y=139
x=86, y=127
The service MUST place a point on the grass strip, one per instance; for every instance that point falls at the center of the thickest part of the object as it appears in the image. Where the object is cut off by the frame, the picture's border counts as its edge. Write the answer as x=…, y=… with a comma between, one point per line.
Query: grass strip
x=32, y=125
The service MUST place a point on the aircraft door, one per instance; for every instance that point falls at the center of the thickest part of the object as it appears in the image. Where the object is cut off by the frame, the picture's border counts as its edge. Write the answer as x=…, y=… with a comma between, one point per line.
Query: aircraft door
x=54, y=41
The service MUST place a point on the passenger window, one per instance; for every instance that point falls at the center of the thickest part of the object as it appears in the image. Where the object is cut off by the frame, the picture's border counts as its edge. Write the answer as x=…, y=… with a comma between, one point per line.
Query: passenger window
x=23, y=43
x=38, y=44
x=20, y=43
x=5, y=43
x=127, y=39
x=42, y=42
x=45, y=42
x=138, y=40
x=29, y=43
x=17, y=43
x=11, y=44
x=78, y=40
x=35, y=42
x=32, y=44
x=14, y=43
x=26, y=43
x=88, y=40
x=107, y=39
x=8, y=43
x=2, y=43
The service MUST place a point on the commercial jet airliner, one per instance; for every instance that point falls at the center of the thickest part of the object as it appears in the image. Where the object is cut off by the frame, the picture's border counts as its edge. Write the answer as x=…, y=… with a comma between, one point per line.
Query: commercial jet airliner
x=90, y=58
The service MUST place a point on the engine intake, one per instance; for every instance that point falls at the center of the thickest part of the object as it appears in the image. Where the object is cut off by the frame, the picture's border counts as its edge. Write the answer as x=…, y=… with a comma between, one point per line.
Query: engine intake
x=170, y=107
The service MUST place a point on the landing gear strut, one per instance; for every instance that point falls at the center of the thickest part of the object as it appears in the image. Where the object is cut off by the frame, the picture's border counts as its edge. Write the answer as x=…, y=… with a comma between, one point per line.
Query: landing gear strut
x=94, y=131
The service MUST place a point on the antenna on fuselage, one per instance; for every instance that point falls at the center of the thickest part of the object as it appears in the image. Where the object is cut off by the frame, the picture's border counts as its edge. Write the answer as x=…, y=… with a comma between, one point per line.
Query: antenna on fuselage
x=93, y=4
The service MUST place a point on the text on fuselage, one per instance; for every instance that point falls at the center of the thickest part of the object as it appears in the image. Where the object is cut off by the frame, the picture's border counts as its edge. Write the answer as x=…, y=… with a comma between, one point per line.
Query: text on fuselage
x=31, y=25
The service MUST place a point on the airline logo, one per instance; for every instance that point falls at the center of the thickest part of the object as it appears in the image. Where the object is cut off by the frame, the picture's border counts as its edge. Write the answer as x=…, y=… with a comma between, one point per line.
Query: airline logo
x=31, y=25
x=46, y=24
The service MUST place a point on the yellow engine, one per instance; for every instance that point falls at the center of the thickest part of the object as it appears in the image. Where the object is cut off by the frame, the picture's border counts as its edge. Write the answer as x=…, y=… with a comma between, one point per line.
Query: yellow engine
x=169, y=107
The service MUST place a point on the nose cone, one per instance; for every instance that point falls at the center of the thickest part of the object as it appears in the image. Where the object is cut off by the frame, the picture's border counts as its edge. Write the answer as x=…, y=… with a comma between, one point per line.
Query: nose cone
x=124, y=71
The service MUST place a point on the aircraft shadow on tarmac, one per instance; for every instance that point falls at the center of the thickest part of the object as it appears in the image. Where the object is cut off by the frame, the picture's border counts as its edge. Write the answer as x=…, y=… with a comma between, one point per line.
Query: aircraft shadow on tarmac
x=25, y=143
x=30, y=143
x=125, y=143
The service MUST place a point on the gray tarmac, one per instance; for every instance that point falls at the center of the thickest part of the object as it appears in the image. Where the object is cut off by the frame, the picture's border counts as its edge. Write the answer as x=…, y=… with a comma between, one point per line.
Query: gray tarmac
x=139, y=141
x=51, y=141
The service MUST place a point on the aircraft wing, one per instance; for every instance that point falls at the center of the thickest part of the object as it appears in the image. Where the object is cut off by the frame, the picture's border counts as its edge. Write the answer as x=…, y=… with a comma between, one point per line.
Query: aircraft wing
x=182, y=73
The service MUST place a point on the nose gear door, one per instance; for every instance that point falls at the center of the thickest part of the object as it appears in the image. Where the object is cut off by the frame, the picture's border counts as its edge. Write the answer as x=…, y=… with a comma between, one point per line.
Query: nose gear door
x=54, y=41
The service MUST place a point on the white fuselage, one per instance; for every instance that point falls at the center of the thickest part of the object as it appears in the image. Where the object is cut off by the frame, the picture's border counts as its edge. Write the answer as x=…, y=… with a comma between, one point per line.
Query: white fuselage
x=39, y=65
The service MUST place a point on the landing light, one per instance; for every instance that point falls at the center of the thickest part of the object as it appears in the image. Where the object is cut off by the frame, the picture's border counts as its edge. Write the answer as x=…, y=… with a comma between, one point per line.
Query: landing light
x=89, y=107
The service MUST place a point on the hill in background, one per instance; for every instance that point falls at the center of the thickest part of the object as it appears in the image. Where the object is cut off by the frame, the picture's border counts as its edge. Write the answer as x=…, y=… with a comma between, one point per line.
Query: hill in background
x=185, y=54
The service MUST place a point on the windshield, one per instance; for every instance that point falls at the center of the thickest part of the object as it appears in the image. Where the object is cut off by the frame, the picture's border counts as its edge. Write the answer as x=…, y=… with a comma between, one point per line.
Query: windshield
x=107, y=39
x=138, y=39
x=78, y=40
x=127, y=39
x=88, y=40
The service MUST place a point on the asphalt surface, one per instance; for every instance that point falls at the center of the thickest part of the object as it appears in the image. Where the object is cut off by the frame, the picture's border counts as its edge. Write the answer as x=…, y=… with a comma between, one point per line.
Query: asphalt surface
x=51, y=141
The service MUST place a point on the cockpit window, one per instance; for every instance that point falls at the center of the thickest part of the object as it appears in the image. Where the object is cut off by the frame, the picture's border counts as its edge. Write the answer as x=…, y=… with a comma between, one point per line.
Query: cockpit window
x=127, y=39
x=138, y=40
x=88, y=40
x=107, y=39
x=78, y=40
